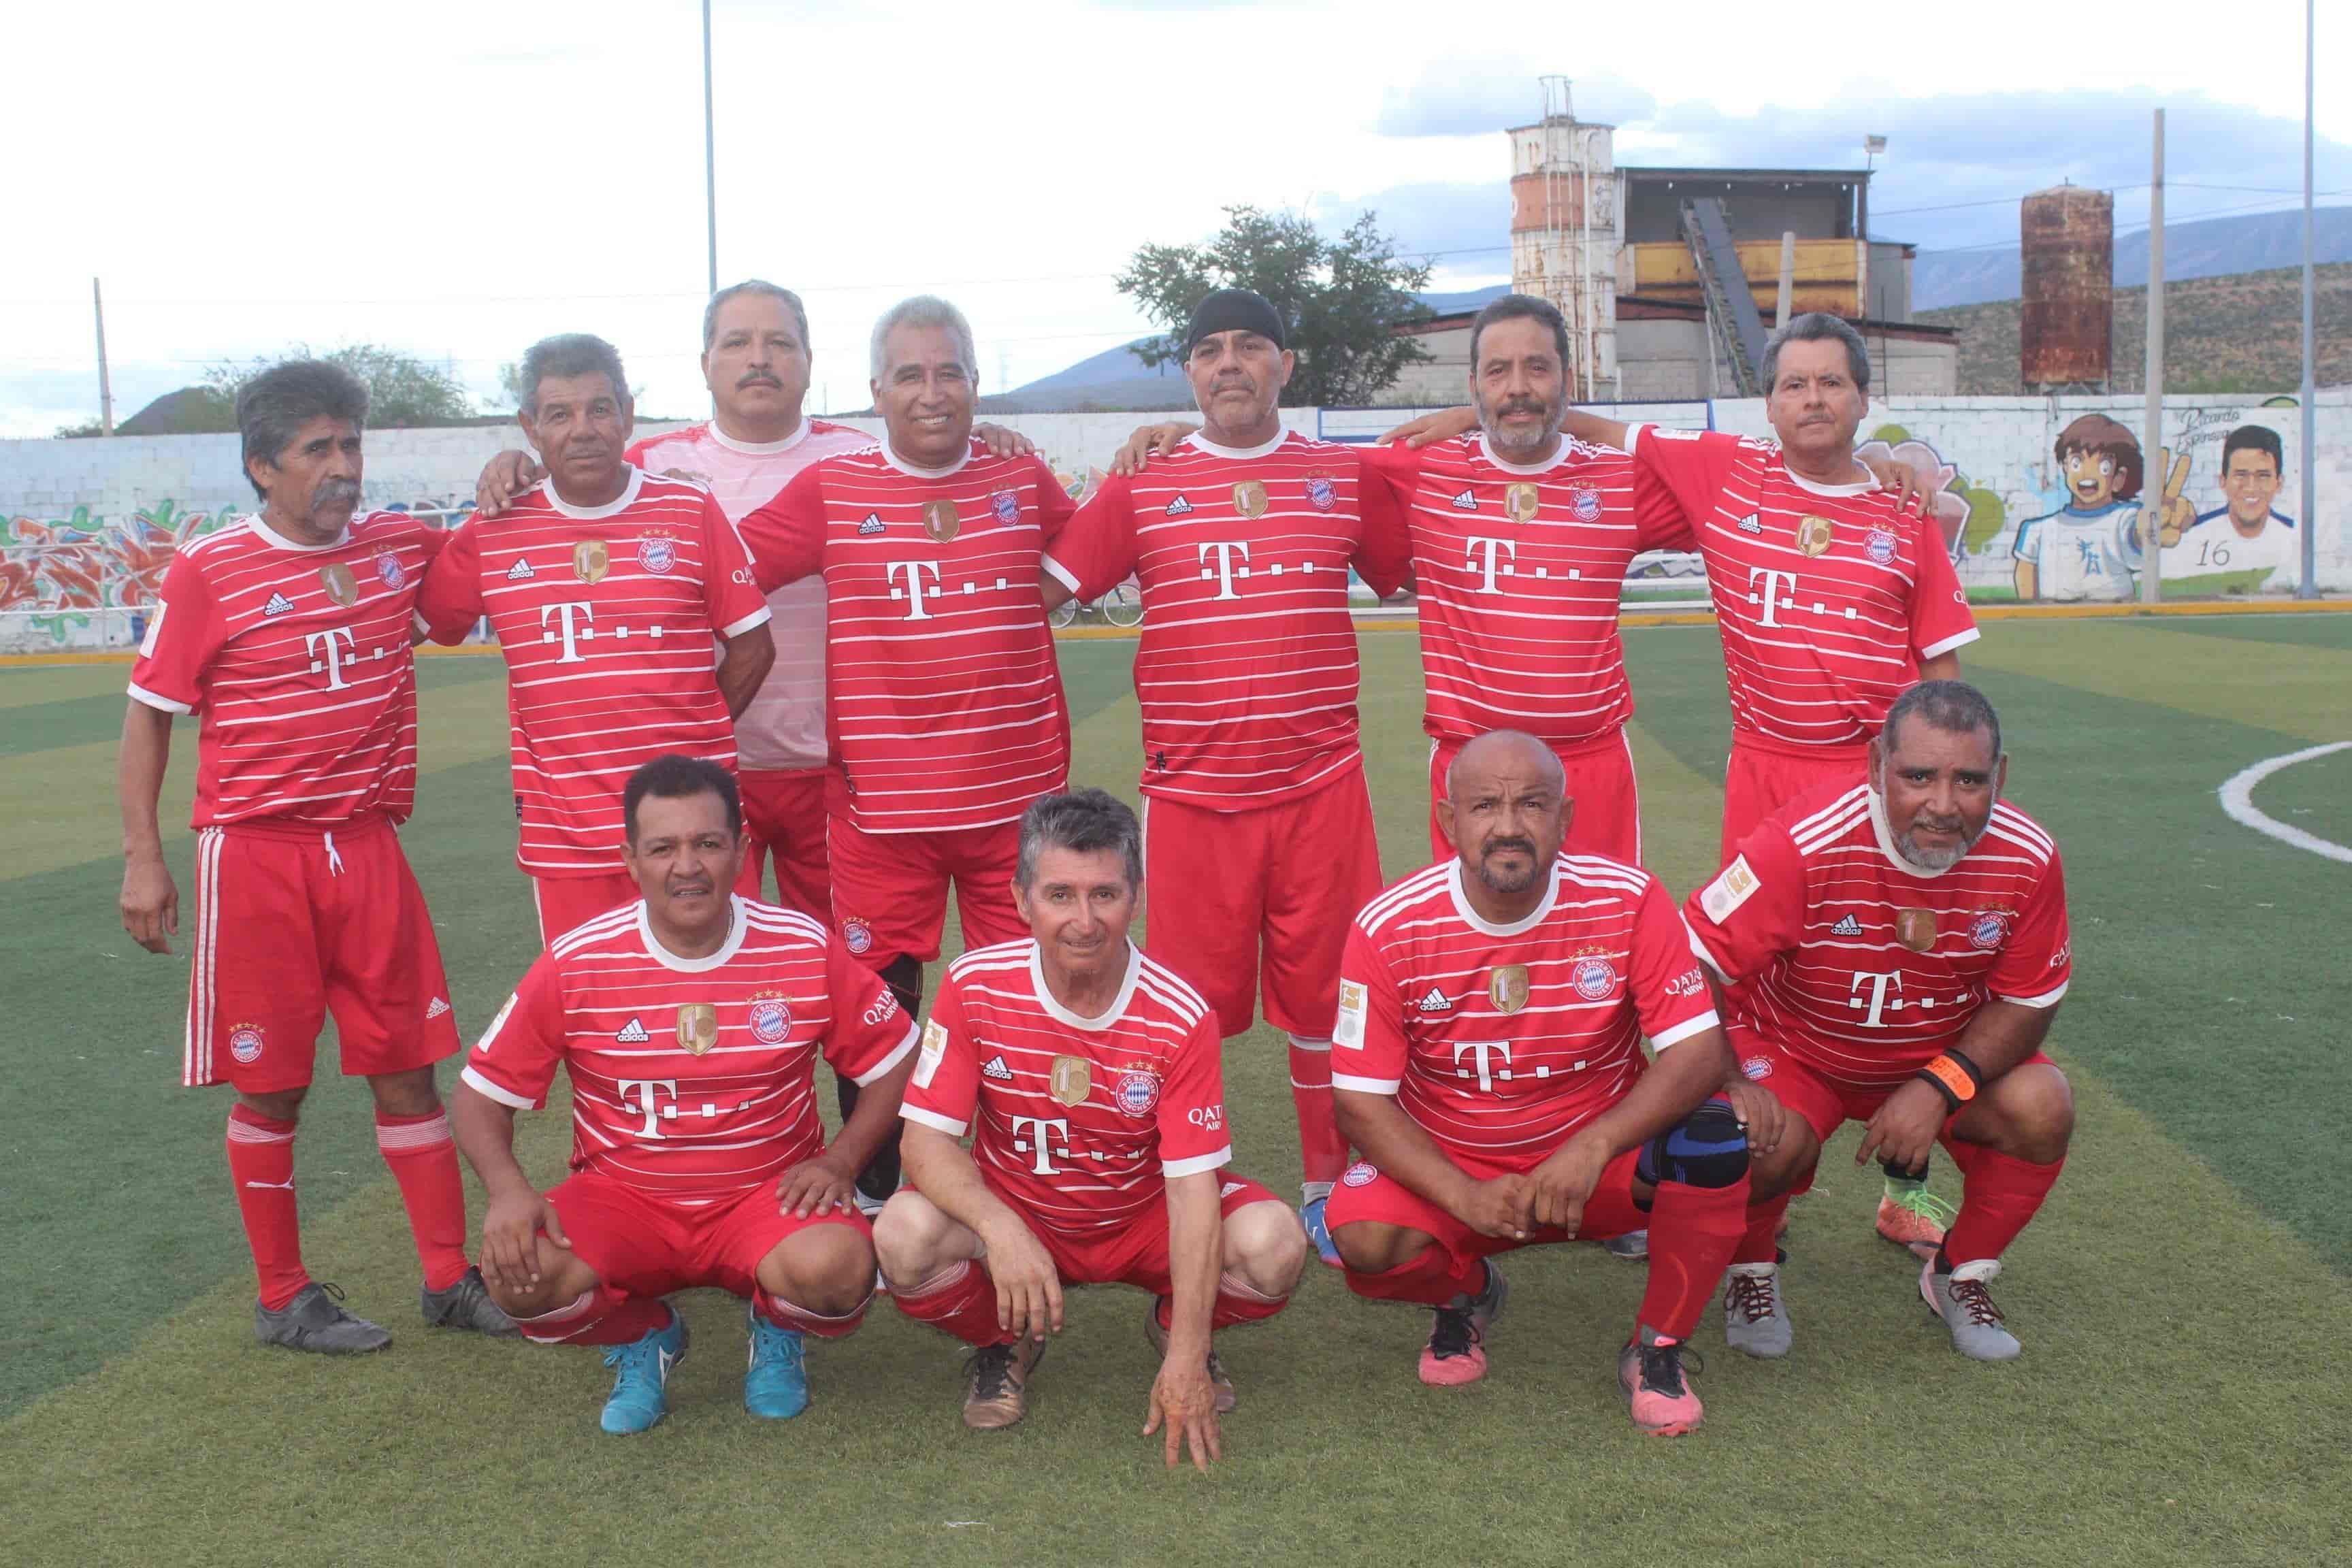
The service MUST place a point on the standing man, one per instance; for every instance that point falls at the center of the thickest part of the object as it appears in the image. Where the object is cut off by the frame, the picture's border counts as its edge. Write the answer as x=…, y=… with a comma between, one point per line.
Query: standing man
x=604, y=586
x=690, y=1023
x=1907, y=943
x=1088, y=1078
x=290, y=633
x=1489, y=1066
x=1254, y=776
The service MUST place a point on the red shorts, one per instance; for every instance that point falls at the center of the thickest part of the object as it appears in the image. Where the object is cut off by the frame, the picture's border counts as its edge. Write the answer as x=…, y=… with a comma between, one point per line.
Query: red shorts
x=1135, y=1254
x=1288, y=877
x=640, y=1243
x=1760, y=779
x=1608, y=816
x=565, y=902
x=296, y=923
x=1367, y=1193
x=1824, y=1103
x=891, y=890
x=783, y=818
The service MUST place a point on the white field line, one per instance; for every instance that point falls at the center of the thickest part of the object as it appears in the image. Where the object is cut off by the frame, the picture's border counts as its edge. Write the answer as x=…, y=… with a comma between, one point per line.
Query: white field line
x=2238, y=800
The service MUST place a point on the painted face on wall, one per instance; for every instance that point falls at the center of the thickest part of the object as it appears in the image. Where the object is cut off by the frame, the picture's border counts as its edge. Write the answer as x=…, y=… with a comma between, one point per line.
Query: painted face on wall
x=2251, y=483
x=2090, y=480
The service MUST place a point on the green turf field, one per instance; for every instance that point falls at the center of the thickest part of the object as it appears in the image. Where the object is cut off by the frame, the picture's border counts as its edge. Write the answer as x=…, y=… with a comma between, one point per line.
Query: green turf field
x=2186, y=1394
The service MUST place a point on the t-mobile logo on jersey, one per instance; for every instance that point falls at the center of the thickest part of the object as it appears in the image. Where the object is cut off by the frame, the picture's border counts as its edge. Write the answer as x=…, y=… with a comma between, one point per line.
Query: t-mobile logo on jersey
x=1495, y=552
x=1880, y=985
x=329, y=655
x=644, y=1095
x=1037, y=1141
x=1226, y=550
x=1479, y=1052
x=913, y=592
x=1774, y=593
x=576, y=623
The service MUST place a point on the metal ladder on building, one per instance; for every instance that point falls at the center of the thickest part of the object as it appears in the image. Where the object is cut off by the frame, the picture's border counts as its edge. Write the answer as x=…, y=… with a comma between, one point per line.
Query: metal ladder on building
x=1731, y=313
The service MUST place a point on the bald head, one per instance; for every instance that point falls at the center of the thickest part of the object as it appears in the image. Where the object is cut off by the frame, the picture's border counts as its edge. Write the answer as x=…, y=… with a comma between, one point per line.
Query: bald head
x=1505, y=810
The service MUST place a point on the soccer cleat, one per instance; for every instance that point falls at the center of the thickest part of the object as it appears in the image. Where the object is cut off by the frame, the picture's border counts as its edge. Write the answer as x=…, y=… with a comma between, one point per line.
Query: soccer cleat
x=1310, y=1215
x=467, y=1305
x=1658, y=1395
x=640, y=1397
x=999, y=1395
x=1632, y=1247
x=775, y=1383
x=1456, y=1351
x=1226, y=1397
x=1911, y=1216
x=1755, y=1319
x=1966, y=1309
x=315, y=1321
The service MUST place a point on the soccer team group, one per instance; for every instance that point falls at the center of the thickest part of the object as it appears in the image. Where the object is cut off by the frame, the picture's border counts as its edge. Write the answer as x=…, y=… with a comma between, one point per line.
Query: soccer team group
x=883, y=720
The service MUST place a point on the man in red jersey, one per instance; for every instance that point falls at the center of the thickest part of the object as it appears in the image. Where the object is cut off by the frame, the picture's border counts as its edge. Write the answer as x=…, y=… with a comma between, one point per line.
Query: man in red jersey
x=604, y=586
x=1088, y=1078
x=290, y=633
x=1906, y=944
x=943, y=701
x=1489, y=1066
x=689, y=1023
x=1242, y=539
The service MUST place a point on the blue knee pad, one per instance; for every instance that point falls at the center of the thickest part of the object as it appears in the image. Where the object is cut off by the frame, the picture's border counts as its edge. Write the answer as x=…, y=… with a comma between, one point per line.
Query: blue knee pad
x=1708, y=1148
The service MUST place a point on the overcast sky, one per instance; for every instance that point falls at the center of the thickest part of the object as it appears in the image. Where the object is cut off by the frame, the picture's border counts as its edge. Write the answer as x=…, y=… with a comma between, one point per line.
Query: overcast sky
x=458, y=179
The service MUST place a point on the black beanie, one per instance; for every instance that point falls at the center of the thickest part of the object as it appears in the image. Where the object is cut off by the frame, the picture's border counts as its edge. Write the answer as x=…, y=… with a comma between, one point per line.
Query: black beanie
x=1234, y=310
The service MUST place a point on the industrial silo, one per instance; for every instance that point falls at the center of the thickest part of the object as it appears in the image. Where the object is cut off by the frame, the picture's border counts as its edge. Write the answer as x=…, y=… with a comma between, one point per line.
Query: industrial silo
x=2066, y=313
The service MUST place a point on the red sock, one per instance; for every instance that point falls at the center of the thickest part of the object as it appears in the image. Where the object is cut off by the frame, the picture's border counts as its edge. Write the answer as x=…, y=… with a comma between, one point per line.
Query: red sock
x=1429, y=1277
x=601, y=1316
x=963, y=1303
x=791, y=1315
x=1999, y=1193
x=1235, y=1303
x=1322, y=1151
x=1692, y=1233
x=424, y=1161
x=1760, y=1242
x=261, y=1168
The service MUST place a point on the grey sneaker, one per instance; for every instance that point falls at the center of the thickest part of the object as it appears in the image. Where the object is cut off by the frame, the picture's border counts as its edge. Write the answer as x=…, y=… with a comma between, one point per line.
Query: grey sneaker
x=1227, y=1398
x=315, y=1321
x=467, y=1305
x=1632, y=1247
x=1755, y=1320
x=1960, y=1299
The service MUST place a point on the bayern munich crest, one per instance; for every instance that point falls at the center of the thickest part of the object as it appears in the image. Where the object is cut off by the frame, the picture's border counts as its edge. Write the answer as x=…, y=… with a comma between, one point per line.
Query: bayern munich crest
x=856, y=935
x=1360, y=1174
x=657, y=553
x=1585, y=503
x=388, y=571
x=1756, y=1069
x=1880, y=546
x=1137, y=1093
x=1988, y=929
x=245, y=1043
x=772, y=1018
x=1319, y=493
x=1006, y=506
x=1594, y=978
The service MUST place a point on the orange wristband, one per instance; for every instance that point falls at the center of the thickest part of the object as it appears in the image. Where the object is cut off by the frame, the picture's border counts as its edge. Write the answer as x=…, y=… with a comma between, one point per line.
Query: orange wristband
x=1952, y=1078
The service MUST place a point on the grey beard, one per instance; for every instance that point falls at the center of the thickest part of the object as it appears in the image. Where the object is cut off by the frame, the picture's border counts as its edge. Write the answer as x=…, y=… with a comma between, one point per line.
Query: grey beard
x=1933, y=859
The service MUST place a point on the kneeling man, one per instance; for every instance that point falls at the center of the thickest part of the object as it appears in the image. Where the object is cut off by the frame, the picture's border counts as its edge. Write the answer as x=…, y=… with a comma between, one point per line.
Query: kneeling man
x=1089, y=1080
x=1907, y=940
x=1488, y=1064
x=689, y=1022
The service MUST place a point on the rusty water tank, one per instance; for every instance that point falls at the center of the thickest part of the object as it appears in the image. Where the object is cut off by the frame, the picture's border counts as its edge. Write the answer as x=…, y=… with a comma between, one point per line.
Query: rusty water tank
x=2068, y=256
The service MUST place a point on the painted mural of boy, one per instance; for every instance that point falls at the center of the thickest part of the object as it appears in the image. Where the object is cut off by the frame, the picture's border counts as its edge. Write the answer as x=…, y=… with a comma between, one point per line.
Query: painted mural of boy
x=2090, y=547
x=2246, y=532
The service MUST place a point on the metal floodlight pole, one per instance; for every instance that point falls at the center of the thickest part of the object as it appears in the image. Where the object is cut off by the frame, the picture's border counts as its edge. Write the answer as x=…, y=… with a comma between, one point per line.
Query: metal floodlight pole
x=2152, y=464
x=2308, y=587
x=710, y=151
x=106, y=383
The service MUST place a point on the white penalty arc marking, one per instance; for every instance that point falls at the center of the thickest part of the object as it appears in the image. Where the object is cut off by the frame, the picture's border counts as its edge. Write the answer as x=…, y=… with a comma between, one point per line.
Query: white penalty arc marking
x=2238, y=800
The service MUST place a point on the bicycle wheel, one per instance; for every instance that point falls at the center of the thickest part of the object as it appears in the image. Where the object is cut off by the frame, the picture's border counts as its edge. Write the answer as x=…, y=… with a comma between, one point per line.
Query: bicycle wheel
x=1123, y=606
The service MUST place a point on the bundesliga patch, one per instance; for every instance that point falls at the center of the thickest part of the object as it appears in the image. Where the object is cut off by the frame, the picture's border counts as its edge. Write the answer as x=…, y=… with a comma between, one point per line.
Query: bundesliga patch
x=1006, y=506
x=935, y=1047
x=1319, y=493
x=245, y=1043
x=1733, y=888
x=871, y=526
x=772, y=1018
x=1988, y=929
x=856, y=935
x=997, y=1070
x=1137, y=1093
x=1750, y=524
x=388, y=571
x=657, y=553
x=1436, y=1002
x=1467, y=501
x=1846, y=927
x=520, y=571
x=633, y=1033
x=1594, y=978
x=1348, y=1030
x=1360, y=1174
x=279, y=604
x=1880, y=546
x=1585, y=503
x=1180, y=507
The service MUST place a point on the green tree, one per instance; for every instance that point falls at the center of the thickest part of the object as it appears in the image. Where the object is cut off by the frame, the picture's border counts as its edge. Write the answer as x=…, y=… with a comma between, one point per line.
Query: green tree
x=1341, y=299
x=404, y=392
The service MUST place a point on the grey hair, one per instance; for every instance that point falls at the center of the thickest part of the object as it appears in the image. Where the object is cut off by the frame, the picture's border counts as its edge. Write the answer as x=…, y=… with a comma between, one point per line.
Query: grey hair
x=924, y=310
x=1952, y=706
x=1552, y=764
x=751, y=286
x=272, y=408
x=1819, y=327
x=1083, y=821
x=569, y=354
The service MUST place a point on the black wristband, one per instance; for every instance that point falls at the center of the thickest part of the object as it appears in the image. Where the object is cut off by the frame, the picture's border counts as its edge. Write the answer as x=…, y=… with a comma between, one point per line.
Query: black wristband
x=1951, y=1101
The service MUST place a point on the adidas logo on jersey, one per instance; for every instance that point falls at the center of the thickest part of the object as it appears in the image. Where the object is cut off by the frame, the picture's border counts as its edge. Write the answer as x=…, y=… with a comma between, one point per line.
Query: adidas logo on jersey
x=279, y=604
x=440, y=1007
x=997, y=1070
x=633, y=1033
x=1846, y=927
x=871, y=526
x=1436, y=1002
x=1466, y=502
x=520, y=572
x=1180, y=507
x=1749, y=524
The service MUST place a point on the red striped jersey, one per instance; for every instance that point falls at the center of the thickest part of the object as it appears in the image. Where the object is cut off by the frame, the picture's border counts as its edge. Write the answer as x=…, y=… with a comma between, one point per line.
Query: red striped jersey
x=1075, y=1122
x=784, y=725
x=298, y=658
x=691, y=1077
x=1246, y=673
x=1500, y=1041
x=1826, y=596
x=1865, y=967
x=1519, y=568
x=605, y=614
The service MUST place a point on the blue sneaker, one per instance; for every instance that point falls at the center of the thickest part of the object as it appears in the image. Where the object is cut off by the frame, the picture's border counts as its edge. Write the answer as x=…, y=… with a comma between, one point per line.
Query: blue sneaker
x=775, y=1387
x=1310, y=1215
x=641, y=1392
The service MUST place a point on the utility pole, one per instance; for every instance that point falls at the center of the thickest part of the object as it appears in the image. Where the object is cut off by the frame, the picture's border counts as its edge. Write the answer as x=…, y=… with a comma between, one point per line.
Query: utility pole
x=710, y=151
x=106, y=386
x=2308, y=586
x=2151, y=446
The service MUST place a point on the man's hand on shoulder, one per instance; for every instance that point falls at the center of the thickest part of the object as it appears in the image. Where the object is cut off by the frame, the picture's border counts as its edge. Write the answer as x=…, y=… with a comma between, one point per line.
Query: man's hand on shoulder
x=505, y=477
